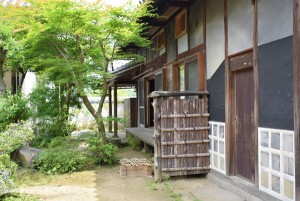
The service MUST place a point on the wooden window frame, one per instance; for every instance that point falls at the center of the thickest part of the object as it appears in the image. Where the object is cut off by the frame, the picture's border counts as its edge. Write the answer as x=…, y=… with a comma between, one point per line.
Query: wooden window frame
x=179, y=30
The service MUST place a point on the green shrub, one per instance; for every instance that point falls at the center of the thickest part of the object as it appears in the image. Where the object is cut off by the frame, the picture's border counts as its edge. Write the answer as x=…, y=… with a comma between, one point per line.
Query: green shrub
x=14, y=137
x=102, y=153
x=134, y=142
x=11, y=139
x=7, y=169
x=60, y=160
x=59, y=142
x=14, y=108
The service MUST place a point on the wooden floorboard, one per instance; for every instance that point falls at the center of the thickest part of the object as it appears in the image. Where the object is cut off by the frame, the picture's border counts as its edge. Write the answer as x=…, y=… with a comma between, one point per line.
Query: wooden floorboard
x=144, y=134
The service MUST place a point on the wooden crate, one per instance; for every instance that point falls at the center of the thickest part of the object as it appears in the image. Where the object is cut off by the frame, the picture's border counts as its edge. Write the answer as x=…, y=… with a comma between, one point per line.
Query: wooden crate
x=136, y=167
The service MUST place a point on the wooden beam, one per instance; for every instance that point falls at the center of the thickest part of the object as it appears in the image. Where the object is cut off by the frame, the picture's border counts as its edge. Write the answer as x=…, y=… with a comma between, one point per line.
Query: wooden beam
x=256, y=85
x=115, y=110
x=296, y=58
x=176, y=3
x=202, y=71
x=109, y=110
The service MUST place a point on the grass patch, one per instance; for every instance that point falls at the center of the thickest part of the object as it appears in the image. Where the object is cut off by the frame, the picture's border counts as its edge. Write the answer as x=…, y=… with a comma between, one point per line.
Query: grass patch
x=18, y=197
x=168, y=187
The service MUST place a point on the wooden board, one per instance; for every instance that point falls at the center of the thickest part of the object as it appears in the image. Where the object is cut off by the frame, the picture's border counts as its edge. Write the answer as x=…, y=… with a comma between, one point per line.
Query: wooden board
x=244, y=123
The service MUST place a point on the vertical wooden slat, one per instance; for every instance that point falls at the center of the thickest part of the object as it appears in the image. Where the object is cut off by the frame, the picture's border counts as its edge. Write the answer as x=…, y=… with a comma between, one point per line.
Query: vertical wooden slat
x=256, y=85
x=296, y=58
x=157, y=140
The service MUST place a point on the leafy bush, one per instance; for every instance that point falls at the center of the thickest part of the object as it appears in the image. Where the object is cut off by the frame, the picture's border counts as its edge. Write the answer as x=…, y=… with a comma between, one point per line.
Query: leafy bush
x=14, y=137
x=13, y=109
x=7, y=169
x=50, y=111
x=134, y=142
x=60, y=160
x=60, y=142
x=11, y=139
x=102, y=153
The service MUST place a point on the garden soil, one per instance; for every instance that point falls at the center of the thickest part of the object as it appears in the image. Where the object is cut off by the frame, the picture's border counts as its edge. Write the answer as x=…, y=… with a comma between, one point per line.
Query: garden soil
x=106, y=184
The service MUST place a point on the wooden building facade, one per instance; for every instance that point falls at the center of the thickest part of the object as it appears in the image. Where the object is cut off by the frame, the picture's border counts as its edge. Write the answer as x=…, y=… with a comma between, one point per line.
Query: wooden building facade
x=245, y=54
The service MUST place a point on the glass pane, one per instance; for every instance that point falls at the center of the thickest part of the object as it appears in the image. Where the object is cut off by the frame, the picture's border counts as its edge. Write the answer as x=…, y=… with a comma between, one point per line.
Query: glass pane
x=288, y=164
x=264, y=157
x=275, y=141
x=221, y=131
x=193, y=80
x=276, y=162
x=181, y=78
x=141, y=93
x=264, y=139
x=288, y=144
x=142, y=116
x=158, y=82
x=215, y=131
x=276, y=184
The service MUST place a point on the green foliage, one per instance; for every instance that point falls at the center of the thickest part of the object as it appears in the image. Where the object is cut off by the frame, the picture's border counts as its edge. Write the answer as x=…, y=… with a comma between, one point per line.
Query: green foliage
x=49, y=108
x=60, y=158
x=14, y=137
x=134, y=142
x=76, y=41
x=11, y=139
x=7, y=169
x=14, y=108
x=18, y=197
x=59, y=142
x=102, y=153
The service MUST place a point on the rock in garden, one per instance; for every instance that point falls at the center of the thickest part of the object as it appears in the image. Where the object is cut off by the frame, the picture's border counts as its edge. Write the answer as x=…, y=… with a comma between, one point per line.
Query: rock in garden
x=83, y=134
x=26, y=155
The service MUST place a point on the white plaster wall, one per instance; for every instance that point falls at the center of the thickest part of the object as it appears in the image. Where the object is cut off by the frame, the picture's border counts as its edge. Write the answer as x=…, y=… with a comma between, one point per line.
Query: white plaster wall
x=275, y=20
x=240, y=25
x=29, y=83
x=215, y=40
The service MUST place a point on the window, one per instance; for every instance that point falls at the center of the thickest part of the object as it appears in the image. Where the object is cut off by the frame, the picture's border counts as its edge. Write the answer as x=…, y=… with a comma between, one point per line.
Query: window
x=141, y=96
x=188, y=76
x=158, y=82
x=181, y=24
x=161, y=40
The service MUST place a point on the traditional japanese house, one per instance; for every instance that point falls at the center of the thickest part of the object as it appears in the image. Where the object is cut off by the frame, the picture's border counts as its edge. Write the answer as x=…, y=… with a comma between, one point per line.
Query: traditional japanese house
x=245, y=55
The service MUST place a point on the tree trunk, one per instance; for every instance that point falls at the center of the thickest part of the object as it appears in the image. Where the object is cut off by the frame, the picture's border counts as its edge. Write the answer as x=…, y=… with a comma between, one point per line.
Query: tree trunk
x=2, y=84
x=68, y=100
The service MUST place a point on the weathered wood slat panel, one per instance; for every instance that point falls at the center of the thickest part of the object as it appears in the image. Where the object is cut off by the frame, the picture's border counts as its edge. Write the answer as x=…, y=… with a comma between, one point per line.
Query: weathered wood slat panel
x=184, y=136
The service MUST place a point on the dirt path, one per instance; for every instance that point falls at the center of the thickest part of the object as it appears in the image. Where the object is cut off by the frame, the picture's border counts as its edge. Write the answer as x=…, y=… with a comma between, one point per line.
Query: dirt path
x=106, y=184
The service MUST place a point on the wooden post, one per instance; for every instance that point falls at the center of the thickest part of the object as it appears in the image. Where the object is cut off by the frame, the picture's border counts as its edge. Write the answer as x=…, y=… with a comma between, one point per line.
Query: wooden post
x=296, y=57
x=157, y=140
x=109, y=110
x=230, y=141
x=256, y=84
x=115, y=110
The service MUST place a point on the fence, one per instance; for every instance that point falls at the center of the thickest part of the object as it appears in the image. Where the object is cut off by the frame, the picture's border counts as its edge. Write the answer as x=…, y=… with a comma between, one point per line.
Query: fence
x=181, y=128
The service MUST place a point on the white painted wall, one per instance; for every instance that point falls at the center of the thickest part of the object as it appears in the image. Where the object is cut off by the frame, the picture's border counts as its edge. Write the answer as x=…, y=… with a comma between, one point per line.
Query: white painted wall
x=275, y=20
x=240, y=26
x=215, y=40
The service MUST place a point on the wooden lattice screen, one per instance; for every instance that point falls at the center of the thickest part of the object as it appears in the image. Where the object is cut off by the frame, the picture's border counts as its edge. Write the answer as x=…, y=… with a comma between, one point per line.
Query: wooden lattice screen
x=181, y=143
